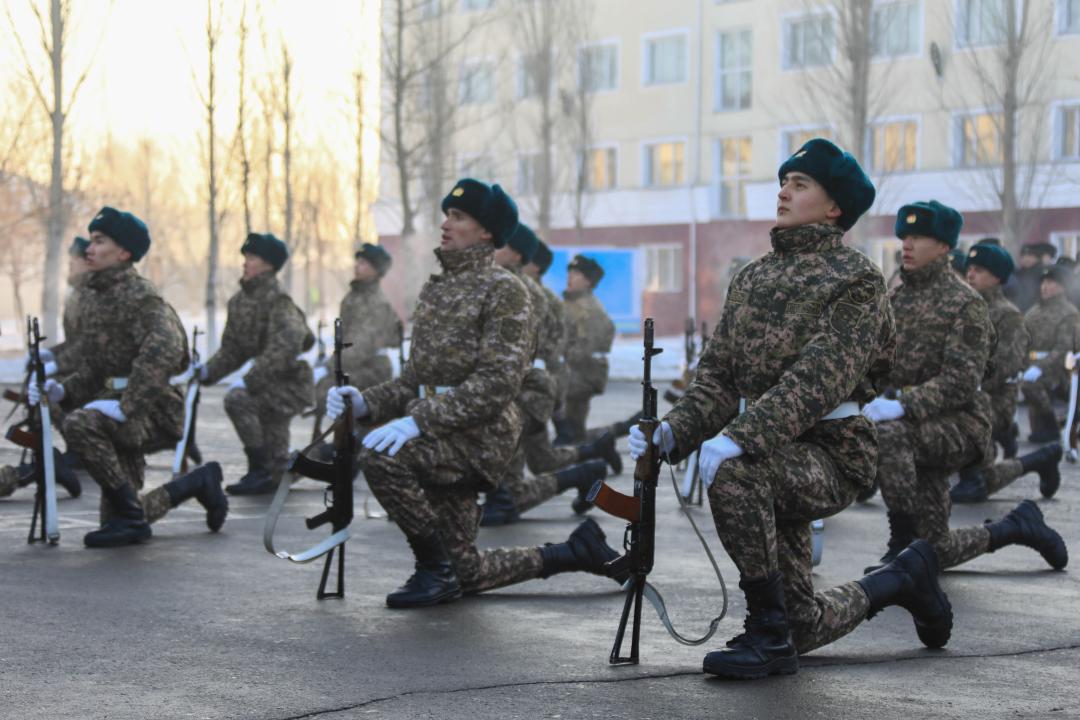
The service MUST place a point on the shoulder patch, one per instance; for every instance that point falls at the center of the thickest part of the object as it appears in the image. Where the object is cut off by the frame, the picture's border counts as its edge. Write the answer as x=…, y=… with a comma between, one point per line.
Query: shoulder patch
x=845, y=317
x=511, y=330
x=971, y=335
x=736, y=297
x=810, y=308
x=862, y=292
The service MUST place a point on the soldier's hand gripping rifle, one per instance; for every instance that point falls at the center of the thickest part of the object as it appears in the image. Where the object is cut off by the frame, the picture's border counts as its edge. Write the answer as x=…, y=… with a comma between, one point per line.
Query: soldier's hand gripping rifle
x=35, y=434
x=186, y=448
x=338, y=475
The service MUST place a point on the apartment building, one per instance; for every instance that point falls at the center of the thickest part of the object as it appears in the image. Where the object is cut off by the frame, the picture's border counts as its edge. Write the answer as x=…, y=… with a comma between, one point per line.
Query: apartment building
x=693, y=104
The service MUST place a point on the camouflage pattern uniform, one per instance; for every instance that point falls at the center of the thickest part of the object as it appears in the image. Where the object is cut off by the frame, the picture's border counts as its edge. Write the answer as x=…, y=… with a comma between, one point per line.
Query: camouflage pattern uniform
x=1006, y=362
x=369, y=323
x=944, y=339
x=803, y=330
x=126, y=330
x=589, y=334
x=73, y=308
x=1054, y=326
x=470, y=351
x=265, y=326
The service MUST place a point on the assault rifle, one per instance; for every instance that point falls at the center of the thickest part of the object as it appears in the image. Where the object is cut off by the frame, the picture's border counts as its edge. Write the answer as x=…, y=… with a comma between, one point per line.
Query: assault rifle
x=401, y=346
x=186, y=448
x=320, y=361
x=338, y=475
x=35, y=434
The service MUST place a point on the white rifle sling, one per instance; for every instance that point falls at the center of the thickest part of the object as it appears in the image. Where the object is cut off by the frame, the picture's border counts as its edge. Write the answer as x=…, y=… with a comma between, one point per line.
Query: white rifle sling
x=316, y=551
x=189, y=417
x=52, y=520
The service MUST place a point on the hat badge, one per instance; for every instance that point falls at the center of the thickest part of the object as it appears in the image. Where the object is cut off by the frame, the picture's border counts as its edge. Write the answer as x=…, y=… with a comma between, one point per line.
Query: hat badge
x=973, y=253
x=800, y=153
x=911, y=219
x=458, y=192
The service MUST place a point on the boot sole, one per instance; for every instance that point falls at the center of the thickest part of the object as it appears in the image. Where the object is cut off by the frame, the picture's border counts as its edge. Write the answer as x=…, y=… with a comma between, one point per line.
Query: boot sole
x=779, y=666
x=933, y=636
x=133, y=541
x=446, y=597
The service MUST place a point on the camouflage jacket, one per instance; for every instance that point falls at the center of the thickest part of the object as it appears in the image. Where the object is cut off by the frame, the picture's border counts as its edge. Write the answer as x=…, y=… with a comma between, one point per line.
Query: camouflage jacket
x=471, y=334
x=1054, y=326
x=127, y=330
x=538, y=388
x=805, y=328
x=1009, y=356
x=72, y=310
x=944, y=339
x=553, y=350
x=369, y=323
x=589, y=332
x=265, y=326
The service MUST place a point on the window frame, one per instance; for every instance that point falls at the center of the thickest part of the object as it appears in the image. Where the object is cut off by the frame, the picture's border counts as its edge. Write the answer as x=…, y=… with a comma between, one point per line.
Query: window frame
x=886, y=120
x=957, y=140
x=719, y=178
x=613, y=42
x=959, y=38
x=920, y=32
x=783, y=152
x=678, y=273
x=583, y=164
x=649, y=37
x=473, y=63
x=718, y=90
x=1060, y=12
x=1057, y=128
x=648, y=143
x=804, y=14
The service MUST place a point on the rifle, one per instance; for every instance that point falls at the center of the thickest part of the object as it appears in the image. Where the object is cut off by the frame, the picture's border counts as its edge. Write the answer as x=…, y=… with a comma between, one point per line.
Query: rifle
x=35, y=434
x=338, y=497
x=191, y=411
x=1069, y=439
x=320, y=361
x=401, y=345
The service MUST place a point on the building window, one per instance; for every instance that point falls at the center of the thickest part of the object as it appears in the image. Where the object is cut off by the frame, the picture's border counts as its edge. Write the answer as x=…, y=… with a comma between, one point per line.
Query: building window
x=430, y=9
x=1067, y=135
x=477, y=83
x=663, y=268
x=1068, y=16
x=528, y=173
x=470, y=5
x=885, y=252
x=1067, y=243
x=530, y=75
x=808, y=41
x=734, y=70
x=733, y=166
x=981, y=22
x=598, y=67
x=480, y=167
x=892, y=146
x=792, y=140
x=665, y=164
x=977, y=140
x=894, y=29
x=665, y=59
x=600, y=168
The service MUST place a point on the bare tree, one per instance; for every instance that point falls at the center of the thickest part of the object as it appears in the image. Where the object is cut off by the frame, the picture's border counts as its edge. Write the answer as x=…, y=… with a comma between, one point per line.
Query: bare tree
x=287, y=120
x=241, y=142
x=361, y=202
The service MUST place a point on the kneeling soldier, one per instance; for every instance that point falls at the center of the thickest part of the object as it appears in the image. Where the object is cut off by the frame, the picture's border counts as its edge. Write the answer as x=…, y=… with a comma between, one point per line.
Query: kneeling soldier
x=118, y=396
x=451, y=423
x=266, y=327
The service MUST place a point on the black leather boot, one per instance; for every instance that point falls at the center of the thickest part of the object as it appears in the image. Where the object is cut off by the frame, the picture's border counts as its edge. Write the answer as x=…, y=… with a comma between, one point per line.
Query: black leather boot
x=911, y=582
x=258, y=480
x=901, y=533
x=1024, y=525
x=127, y=524
x=499, y=508
x=765, y=646
x=582, y=477
x=1043, y=429
x=65, y=475
x=586, y=550
x=1045, y=462
x=603, y=447
x=971, y=488
x=204, y=484
x=434, y=580
x=622, y=428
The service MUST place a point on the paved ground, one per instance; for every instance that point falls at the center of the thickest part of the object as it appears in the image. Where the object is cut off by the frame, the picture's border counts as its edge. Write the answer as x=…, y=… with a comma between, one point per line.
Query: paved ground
x=194, y=625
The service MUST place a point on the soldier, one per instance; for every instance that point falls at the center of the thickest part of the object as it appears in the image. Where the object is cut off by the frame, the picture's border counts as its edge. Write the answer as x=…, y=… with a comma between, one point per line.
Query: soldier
x=73, y=303
x=266, y=327
x=119, y=399
x=451, y=423
x=368, y=323
x=537, y=399
x=589, y=334
x=1054, y=326
x=804, y=331
x=1023, y=290
x=988, y=268
x=941, y=422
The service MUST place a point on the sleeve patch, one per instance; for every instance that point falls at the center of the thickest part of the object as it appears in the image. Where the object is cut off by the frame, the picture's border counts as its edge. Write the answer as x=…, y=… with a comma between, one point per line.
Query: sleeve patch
x=810, y=308
x=736, y=297
x=862, y=292
x=845, y=317
x=511, y=330
x=971, y=335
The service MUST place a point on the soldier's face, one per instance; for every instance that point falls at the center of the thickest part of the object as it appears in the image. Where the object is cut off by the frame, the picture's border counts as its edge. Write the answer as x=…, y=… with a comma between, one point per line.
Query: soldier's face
x=920, y=250
x=461, y=230
x=575, y=280
x=1050, y=289
x=532, y=270
x=980, y=278
x=507, y=257
x=1027, y=260
x=803, y=201
x=364, y=271
x=255, y=266
x=104, y=253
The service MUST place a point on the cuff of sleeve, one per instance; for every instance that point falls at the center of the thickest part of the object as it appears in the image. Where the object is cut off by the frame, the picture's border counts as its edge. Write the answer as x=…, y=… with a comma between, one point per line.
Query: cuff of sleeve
x=744, y=437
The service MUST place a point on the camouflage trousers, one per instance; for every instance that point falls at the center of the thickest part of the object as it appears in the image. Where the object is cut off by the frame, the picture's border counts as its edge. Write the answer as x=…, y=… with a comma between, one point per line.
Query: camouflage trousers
x=112, y=454
x=1040, y=398
x=576, y=412
x=528, y=492
x=427, y=486
x=914, y=464
x=763, y=510
x=9, y=480
x=542, y=457
x=1003, y=410
x=259, y=423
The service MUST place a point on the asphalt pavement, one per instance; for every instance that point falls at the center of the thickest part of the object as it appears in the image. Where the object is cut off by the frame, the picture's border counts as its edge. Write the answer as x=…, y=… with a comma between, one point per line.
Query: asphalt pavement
x=201, y=625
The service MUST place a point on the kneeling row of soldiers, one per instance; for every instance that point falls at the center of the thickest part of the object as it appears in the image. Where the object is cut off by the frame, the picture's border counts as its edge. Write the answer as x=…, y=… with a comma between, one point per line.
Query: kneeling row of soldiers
x=815, y=385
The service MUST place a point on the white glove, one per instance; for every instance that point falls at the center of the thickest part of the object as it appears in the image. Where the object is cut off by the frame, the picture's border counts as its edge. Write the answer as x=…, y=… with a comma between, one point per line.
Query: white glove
x=46, y=357
x=204, y=372
x=54, y=391
x=320, y=372
x=108, y=408
x=663, y=437
x=392, y=435
x=1032, y=374
x=237, y=384
x=712, y=455
x=50, y=368
x=335, y=402
x=883, y=410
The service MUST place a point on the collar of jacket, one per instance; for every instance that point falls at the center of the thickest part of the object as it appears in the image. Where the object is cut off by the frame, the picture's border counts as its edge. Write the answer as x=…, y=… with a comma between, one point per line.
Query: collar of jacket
x=262, y=282
x=815, y=237
x=1060, y=299
x=929, y=274
x=575, y=294
x=992, y=294
x=476, y=257
x=103, y=279
x=363, y=285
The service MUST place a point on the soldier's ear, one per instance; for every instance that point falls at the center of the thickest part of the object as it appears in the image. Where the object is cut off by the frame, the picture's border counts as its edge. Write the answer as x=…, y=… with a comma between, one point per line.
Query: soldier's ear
x=125, y=256
x=833, y=212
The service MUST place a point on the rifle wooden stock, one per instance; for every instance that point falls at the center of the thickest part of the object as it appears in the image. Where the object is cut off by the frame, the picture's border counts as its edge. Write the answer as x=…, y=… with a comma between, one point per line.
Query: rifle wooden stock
x=24, y=438
x=13, y=396
x=614, y=502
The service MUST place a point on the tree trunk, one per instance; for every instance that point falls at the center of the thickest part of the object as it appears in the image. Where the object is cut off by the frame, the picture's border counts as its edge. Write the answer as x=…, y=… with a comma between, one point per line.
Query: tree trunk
x=50, y=287
x=286, y=117
x=212, y=190
x=1010, y=215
